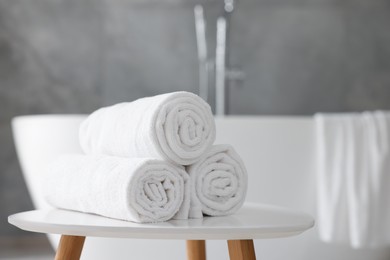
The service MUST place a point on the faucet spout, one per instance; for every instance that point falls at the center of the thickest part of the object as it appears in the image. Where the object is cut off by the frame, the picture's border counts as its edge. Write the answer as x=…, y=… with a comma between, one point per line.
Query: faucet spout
x=220, y=67
x=200, y=28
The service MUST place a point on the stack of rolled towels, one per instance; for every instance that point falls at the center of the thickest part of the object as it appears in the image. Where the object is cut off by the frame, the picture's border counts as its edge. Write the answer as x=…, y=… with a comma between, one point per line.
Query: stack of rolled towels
x=149, y=160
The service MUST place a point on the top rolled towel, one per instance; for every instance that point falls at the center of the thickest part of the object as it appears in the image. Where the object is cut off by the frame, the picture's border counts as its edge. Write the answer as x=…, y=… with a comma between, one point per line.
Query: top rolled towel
x=177, y=126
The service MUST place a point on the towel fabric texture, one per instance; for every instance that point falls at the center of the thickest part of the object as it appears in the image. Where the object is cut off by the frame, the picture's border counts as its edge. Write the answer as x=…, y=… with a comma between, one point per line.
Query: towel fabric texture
x=354, y=178
x=134, y=163
x=177, y=126
x=138, y=189
x=218, y=182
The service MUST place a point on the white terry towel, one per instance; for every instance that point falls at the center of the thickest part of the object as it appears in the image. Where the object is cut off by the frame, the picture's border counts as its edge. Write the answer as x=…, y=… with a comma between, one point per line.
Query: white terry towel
x=176, y=126
x=138, y=190
x=354, y=178
x=218, y=182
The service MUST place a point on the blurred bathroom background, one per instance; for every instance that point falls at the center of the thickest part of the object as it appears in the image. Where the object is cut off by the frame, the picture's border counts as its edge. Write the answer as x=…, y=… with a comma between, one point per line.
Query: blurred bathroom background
x=297, y=57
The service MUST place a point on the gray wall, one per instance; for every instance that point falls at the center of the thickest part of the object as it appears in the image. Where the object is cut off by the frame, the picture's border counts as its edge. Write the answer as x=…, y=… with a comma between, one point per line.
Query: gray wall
x=72, y=56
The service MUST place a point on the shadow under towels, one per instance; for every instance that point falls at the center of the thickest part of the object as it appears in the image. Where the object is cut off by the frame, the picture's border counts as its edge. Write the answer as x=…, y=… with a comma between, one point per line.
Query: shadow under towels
x=177, y=126
x=218, y=183
x=138, y=190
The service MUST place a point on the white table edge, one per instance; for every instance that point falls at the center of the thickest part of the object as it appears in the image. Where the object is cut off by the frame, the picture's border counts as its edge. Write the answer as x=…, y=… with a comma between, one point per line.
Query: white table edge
x=172, y=235
x=189, y=233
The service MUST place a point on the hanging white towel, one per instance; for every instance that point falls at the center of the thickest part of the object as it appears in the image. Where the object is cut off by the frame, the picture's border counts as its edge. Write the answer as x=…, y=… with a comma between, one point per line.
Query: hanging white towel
x=354, y=178
x=218, y=182
x=177, y=126
x=136, y=189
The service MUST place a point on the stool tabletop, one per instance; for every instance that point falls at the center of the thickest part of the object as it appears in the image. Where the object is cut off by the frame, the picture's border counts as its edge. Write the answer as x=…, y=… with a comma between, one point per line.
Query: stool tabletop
x=252, y=221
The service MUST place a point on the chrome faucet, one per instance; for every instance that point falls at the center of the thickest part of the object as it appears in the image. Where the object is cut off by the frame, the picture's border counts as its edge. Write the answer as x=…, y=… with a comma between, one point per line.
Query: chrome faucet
x=220, y=67
x=200, y=27
x=223, y=72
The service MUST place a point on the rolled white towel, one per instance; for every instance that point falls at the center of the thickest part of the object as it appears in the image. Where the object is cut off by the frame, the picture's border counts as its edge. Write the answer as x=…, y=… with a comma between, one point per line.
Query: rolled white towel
x=177, y=126
x=219, y=182
x=138, y=190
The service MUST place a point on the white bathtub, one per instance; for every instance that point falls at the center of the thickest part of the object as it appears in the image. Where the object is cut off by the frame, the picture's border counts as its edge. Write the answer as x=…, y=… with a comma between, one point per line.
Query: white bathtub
x=279, y=155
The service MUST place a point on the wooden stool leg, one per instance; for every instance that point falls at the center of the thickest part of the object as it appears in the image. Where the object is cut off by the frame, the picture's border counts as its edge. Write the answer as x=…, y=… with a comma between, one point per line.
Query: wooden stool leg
x=241, y=250
x=70, y=248
x=196, y=250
